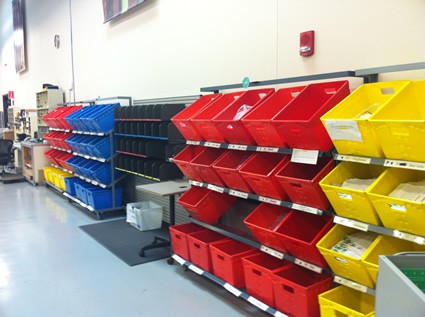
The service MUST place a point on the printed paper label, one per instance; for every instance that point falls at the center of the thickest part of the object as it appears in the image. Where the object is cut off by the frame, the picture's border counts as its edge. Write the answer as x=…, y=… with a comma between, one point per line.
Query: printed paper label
x=179, y=260
x=345, y=196
x=196, y=269
x=193, y=142
x=257, y=303
x=237, y=147
x=397, y=207
x=310, y=210
x=405, y=164
x=238, y=194
x=309, y=266
x=351, y=223
x=346, y=130
x=355, y=159
x=215, y=188
x=304, y=156
x=212, y=144
x=350, y=284
x=232, y=289
x=272, y=252
x=196, y=183
x=279, y=314
x=269, y=200
x=409, y=237
x=267, y=149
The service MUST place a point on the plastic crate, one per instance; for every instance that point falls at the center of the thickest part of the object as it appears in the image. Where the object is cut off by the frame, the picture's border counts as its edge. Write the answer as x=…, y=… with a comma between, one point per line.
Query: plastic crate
x=62, y=158
x=348, y=124
x=395, y=213
x=344, y=301
x=228, y=121
x=227, y=258
x=62, y=178
x=47, y=170
x=179, y=234
x=183, y=122
x=342, y=264
x=227, y=167
x=99, y=147
x=103, y=121
x=60, y=118
x=258, y=272
x=203, y=123
x=102, y=173
x=259, y=172
x=199, y=247
x=301, y=182
x=296, y=291
x=263, y=220
x=70, y=184
x=299, y=122
x=203, y=164
x=52, y=155
x=206, y=205
x=258, y=121
x=347, y=202
x=183, y=159
x=74, y=162
x=300, y=232
x=385, y=245
x=73, y=119
x=400, y=122
x=99, y=198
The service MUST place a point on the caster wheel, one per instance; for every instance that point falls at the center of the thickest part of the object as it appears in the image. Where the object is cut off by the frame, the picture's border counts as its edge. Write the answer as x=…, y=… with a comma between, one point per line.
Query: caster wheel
x=170, y=261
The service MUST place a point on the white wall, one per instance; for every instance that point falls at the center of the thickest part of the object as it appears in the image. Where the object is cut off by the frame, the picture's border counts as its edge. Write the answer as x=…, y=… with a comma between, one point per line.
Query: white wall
x=172, y=48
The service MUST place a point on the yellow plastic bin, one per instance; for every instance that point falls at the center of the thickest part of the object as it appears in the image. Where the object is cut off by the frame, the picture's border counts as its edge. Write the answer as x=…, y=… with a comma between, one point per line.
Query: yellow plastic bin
x=48, y=173
x=385, y=245
x=62, y=177
x=342, y=264
x=347, y=202
x=348, y=124
x=395, y=213
x=346, y=302
x=401, y=122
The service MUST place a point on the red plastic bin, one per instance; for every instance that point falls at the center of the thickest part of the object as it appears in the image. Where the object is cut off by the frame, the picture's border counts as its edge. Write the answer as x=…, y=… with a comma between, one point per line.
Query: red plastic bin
x=227, y=167
x=263, y=220
x=299, y=122
x=228, y=121
x=179, y=234
x=57, y=139
x=301, y=182
x=199, y=248
x=52, y=156
x=227, y=258
x=55, y=118
x=203, y=123
x=183, y=159
x=258, y=271
x=183, y=122
x=206, y=205
x=300, y=232
x=259, y=170
x=62, y=158
x=203, y=165
x=296, y=290
x=258, y=121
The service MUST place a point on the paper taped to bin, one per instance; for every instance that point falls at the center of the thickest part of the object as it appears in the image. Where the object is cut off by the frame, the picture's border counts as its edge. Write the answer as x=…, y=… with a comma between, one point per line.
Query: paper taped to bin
x=355, y=244
x=343, y=130
x=413, y=191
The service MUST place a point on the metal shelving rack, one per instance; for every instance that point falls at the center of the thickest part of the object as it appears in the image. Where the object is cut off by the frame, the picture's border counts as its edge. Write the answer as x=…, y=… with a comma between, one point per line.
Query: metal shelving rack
x=368, y=75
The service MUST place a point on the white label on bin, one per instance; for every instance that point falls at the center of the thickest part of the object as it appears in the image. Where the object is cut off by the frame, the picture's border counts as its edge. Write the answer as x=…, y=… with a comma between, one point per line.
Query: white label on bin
x=95, y=183
x=196, y=269
x=232, y=289
x=179, y=260
x=196, y=183
x=405, y=164
x=238, y=194
x=344, y=130
x=279, y=314
x=213, y=144
x=351, y=223
x=257, y=303
x=269, y=200
x=272, y=252
x=345, y=196
x=193, y=142
x=310, y=210
x=309, y=266
x=355, y=159
x=351, y=284
x=267, y=149
x=215, y=188
x=304, y=156
x=397, y=207
x=237, y=147
x=409, y=237
x=341, y=259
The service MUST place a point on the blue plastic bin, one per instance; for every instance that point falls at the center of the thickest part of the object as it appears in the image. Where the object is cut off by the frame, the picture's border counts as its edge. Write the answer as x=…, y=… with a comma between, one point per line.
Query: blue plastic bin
x=74, y=119
x=103, y=121
x=70, y=184
x=92, y=111
x=100, y=199
x=102, y=173
x=87, y=169
x=100, y=147
x=75, y=163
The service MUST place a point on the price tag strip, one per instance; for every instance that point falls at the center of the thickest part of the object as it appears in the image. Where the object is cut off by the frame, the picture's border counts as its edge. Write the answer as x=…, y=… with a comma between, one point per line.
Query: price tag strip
x=193, y=142
x=351, y=158
x=351, y=284
x=405, y=164
x=351, y=223
x=308, y=265
x=409, y=237
x=272, y=252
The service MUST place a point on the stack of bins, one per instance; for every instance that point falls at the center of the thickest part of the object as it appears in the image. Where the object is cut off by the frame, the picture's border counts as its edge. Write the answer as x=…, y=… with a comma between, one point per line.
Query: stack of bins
x=179, y=241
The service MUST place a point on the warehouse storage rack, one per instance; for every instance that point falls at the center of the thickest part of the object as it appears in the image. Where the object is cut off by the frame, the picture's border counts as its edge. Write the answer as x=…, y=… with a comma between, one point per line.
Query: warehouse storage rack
x=369, y=75
x=107, y=159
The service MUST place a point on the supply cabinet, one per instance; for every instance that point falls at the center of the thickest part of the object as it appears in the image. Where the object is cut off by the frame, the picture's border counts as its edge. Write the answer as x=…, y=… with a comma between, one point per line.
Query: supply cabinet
x=46, y=101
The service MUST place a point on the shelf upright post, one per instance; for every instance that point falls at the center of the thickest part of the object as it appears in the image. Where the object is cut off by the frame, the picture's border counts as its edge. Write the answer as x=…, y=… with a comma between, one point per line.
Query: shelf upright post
x=111, y=153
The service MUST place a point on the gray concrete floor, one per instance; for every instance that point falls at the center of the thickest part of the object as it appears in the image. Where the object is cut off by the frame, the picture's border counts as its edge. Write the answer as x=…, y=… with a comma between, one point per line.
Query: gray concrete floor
x=50, y=267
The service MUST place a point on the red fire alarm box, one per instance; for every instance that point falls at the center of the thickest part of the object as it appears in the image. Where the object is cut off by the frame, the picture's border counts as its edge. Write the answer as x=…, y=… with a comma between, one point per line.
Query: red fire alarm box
x=307, y=43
